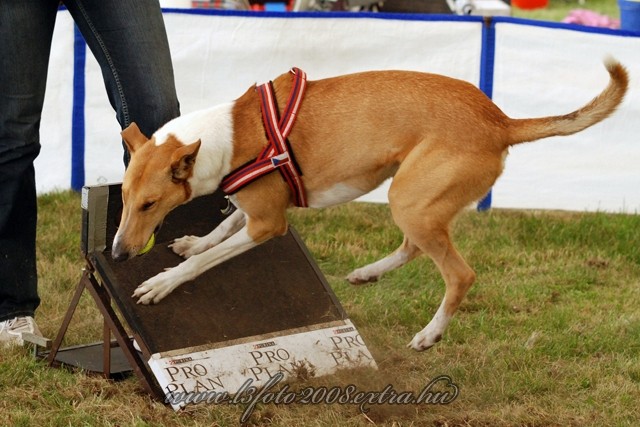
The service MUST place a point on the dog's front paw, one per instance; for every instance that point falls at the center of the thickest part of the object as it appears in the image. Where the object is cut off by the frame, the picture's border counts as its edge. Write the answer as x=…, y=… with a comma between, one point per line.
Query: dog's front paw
x=155, y=289
x=424, y=340
x=189, y=246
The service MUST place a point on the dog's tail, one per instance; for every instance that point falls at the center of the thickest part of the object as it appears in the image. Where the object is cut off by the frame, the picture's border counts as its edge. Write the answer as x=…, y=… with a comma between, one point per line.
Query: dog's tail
x=600, y=107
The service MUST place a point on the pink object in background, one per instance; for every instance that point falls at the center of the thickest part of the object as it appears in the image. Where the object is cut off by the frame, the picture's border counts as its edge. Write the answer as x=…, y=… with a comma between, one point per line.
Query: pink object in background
x=591, y=18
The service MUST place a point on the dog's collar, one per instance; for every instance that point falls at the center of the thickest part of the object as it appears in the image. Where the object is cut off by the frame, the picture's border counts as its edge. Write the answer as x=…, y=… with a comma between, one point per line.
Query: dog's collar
x=277, y=155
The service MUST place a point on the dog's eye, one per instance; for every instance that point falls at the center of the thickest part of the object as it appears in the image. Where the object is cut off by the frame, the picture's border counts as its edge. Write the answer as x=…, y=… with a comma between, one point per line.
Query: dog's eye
x=148, y=205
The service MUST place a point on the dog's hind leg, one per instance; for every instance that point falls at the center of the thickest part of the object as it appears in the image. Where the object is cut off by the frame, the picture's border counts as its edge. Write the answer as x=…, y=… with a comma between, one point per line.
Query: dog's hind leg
x=370, y=273
x=428, y=191
x=187, y=246
x=458, y=277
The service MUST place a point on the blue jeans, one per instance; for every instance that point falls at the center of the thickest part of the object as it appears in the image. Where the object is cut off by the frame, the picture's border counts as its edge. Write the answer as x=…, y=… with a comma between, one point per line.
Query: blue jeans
x=129, y=40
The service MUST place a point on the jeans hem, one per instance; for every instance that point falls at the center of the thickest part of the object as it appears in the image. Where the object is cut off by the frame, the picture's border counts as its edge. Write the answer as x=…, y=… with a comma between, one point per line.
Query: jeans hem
x=19, y=313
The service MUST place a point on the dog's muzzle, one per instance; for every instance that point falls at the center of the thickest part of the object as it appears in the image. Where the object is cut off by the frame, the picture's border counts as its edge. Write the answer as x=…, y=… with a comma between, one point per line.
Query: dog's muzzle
x=120, y=253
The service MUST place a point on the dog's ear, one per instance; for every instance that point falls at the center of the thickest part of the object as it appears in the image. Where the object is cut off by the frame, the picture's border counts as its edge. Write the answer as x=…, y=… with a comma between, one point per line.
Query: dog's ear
x=133, y=137
x=182, y=161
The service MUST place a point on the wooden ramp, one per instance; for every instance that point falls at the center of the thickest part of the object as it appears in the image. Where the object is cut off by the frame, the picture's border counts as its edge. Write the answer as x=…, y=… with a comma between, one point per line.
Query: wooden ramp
x=267, y=311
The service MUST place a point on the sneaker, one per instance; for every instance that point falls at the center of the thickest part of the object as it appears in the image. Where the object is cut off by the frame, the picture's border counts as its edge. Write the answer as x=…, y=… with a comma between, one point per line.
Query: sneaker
x=11, y=330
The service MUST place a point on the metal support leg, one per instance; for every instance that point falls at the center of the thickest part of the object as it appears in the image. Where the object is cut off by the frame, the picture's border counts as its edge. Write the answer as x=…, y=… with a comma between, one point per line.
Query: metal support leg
x=112, y=325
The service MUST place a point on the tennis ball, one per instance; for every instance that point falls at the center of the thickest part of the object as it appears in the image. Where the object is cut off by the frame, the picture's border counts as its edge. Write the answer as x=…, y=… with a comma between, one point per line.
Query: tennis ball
x=149, y=245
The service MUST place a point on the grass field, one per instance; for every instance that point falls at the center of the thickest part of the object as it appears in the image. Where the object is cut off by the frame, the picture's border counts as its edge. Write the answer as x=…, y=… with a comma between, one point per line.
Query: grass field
x=548, y=336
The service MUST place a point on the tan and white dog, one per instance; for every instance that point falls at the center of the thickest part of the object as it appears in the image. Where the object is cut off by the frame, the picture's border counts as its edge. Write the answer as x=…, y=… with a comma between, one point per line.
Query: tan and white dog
x=441, y=139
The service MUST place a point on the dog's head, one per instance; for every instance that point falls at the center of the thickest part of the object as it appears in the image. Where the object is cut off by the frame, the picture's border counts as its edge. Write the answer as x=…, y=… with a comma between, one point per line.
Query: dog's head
x=155, y=182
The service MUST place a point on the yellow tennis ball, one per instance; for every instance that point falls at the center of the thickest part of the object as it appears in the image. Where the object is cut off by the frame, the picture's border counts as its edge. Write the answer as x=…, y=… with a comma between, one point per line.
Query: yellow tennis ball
x=149, y=245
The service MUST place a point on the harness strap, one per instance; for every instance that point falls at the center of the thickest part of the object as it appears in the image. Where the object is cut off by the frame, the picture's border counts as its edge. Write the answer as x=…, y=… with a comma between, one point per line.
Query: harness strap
x=277, y=155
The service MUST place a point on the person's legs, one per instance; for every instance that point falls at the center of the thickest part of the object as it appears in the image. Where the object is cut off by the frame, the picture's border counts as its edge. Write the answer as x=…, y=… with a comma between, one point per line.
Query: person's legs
x=129, y=40
x=26, y=28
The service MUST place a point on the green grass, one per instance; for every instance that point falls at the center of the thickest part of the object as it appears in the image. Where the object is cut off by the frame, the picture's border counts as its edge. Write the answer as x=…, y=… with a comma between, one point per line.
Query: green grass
x=548, y=336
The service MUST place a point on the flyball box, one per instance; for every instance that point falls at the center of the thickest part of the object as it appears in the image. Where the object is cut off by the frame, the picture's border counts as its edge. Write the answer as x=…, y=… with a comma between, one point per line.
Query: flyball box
x=265, y=311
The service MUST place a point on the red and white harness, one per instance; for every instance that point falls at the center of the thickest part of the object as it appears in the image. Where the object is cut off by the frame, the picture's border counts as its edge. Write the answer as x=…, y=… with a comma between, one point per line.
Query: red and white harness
x=277, y=155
